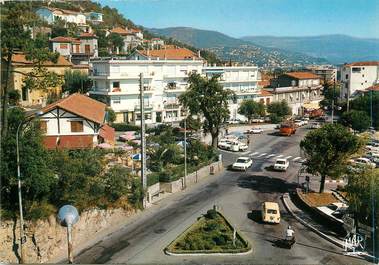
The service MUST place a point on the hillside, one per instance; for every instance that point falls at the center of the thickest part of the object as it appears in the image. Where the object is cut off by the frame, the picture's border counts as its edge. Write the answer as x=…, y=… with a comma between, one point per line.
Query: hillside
x=228, y=48
x=335, y=48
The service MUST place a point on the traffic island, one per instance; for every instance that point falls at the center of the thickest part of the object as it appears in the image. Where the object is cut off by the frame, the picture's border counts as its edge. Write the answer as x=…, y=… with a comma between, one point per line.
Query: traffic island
x=211, y=234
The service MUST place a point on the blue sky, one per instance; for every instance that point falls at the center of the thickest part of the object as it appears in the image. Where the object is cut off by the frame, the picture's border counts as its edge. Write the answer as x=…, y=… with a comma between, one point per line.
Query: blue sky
x=359, y=18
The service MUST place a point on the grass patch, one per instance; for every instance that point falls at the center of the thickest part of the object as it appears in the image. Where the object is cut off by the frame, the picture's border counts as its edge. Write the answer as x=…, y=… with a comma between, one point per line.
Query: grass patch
x=211, y=233
x=318, y=199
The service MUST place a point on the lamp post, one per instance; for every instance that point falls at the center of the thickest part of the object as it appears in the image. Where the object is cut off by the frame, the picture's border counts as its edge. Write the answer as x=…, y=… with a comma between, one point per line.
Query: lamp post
x=22, y=236
x=185, y=151
x=68, y=216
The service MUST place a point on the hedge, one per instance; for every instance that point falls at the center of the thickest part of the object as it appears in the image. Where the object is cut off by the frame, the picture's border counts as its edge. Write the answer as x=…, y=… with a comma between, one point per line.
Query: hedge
x=124, y=127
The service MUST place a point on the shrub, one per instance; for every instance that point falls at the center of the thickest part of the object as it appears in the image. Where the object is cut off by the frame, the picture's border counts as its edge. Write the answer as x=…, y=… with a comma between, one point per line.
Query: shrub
x=219, y=240
x=211, y=214
x=152, y=179
x=124, y=127
x=211, y=226
x=274, y=118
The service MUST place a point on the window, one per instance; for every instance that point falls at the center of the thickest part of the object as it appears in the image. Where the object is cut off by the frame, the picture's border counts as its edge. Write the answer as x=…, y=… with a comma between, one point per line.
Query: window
x=356, y=69
x=363, y=75
x=24, y=93
x=63, y=46
x=347, y=76
x=116, y=100
x=116, y=84
x=76, y=126
x=43, y=126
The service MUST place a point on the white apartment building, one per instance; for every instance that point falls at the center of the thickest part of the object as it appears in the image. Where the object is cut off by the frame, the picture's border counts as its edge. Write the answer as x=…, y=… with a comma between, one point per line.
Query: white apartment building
x=327, y=73
x=243, y=80
x=358, y=76
x=116, y=82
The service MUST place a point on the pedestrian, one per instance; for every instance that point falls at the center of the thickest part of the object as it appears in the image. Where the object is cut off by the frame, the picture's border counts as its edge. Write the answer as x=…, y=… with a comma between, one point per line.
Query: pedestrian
x=248, y=140
x=226, y=131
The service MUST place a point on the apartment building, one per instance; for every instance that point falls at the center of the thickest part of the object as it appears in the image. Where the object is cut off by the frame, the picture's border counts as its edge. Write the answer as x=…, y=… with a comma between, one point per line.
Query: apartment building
x=50, y=15
x=243, y=80
x=358, y=76
x=327, y=73
x=131, y=38
x=116, y=82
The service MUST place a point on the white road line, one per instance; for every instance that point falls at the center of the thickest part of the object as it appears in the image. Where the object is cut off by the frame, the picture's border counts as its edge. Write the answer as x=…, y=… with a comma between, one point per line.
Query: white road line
x=279, y=156
x=270, y=155
x=296, y=158
x=254, y=153
x=262, y=154
x=288, y=157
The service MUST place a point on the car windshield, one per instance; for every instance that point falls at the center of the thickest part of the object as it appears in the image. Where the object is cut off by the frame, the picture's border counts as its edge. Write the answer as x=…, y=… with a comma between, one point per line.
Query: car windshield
x=240, y=160
x=332, y=207
x=271, y=211
x=280, y=162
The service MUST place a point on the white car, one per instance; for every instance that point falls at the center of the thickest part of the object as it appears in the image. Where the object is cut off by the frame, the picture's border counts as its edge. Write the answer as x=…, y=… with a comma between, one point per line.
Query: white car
x=242, y=163
x=256, y=130
x=334, y=210
x=305, y=122
x=373, y=147
x=315, y=125
x=299, y=123
x=364, y=162
x=258, y=120
x=224, y=144
x=281, y=164
x=237, y=146
x=233, y=121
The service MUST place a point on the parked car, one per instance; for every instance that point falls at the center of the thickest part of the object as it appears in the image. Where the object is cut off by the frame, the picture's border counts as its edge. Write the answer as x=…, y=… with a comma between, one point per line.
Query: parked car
x=281, y=164
x=233, y=121
x=305, y=121
x=315, y=125
x=299, y=123
x=242, y=163
x=364, y=161
x=258, y=120
x=236, y=146
x=224, y=144
x=334, y=210
x=256, y=130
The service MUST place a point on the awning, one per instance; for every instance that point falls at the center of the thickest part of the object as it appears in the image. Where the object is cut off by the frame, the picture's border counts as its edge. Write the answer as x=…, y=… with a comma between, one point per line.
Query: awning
x=312, y=105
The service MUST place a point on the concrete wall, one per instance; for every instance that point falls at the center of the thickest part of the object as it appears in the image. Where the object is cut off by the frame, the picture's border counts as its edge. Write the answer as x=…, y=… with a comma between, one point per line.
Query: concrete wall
x=47, y=240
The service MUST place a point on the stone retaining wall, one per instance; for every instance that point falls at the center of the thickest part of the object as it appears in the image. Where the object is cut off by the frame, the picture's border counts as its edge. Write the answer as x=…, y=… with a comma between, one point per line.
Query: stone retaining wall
x=47, y=239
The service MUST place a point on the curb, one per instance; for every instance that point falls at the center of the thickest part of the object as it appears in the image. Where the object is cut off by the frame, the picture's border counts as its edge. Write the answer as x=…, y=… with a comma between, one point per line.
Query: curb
x=208, y=254
x=321, y=234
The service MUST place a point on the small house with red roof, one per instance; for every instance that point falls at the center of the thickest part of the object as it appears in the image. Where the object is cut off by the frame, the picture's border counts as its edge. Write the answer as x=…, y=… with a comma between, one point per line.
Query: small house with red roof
x=75, y=122
x=296, y=79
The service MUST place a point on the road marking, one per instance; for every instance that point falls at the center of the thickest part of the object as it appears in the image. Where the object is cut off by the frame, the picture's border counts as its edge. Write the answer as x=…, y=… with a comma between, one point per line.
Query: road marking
x=270, y=155
x=279, y=156
x=262, y=154
x=288, y=157
x=254, y=153
x=296, y=158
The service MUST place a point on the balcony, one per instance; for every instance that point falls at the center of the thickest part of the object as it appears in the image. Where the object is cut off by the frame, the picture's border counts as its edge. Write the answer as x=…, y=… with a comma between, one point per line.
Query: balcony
x=174, y=87
x=172, y=104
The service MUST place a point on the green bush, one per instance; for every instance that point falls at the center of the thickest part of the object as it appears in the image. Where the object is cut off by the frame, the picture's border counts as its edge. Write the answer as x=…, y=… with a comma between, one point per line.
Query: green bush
x=219, y=240
x=211, y=214
x=274, y=118
x=124, y=127
x=152, y=179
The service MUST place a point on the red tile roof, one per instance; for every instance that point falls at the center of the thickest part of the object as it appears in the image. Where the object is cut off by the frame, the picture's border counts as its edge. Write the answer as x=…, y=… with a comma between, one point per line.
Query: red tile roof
x=80, y=105
x=107, y=133
x=121, y=31
x=64, y=39
x=135, y=30
x=302, y=75
x=19, y=59
x=265, y=93
x=87, y=35
x=171, y=54
x=367, y=63
x=373, y=88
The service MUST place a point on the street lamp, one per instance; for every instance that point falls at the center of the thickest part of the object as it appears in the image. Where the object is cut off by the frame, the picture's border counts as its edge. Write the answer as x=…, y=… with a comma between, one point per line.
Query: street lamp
x=22, y=236
x=68, y=216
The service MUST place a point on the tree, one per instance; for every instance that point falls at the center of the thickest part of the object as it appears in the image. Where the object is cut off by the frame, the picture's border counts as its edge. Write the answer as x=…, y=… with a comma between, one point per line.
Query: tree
x=364, y=103
x=76, y=82
x=279, y=110
x=191, y=123
x=363, y=193
x=207, y=97
x=116, y=41
x=17, y=17
x=111, y=115
x=330, y=93
x=38, y=178
x=327, y=150
x=355, y=119
x=251, y=109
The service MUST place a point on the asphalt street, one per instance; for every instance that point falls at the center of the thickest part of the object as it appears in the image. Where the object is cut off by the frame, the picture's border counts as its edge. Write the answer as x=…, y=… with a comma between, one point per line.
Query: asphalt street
x=239, y=196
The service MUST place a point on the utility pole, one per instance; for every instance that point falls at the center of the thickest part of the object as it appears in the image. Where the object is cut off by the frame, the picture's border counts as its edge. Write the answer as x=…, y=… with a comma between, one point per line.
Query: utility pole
x=185, y=152
x=334, y=91
x=143, y=140
x=348, y=100
x=371, y=107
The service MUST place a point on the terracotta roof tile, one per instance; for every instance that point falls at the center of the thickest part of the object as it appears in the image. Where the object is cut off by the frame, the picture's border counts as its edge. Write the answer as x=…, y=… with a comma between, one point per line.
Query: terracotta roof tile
x=107, y=133
x=81, y=105
x=367, y=63
x=120, y=31
x=68, y=142
x=302, y=75
x=20, y=59
x=265, y=93
x=65, y=39
x=87, y=35
x=171, y=54
x=373, y=88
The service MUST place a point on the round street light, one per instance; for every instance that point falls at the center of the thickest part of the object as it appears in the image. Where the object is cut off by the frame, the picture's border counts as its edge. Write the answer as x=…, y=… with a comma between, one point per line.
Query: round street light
x=68, y=216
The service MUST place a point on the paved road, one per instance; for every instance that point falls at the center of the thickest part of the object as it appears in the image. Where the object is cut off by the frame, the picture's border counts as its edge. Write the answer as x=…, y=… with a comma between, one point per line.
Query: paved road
x=239, y=196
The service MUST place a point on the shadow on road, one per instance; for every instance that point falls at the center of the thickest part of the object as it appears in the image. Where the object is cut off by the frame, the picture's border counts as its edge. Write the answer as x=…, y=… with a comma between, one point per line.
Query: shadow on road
x=256, y=216
x=265, y=184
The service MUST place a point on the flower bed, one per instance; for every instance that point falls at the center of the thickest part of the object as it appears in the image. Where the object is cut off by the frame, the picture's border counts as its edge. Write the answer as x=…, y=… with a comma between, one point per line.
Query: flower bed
x=211, y=233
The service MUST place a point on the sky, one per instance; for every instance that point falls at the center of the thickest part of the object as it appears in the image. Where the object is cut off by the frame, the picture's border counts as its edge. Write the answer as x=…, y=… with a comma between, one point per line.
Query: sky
x=237, y=18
